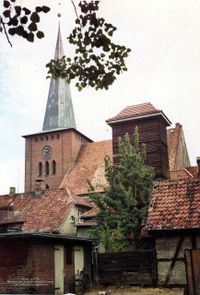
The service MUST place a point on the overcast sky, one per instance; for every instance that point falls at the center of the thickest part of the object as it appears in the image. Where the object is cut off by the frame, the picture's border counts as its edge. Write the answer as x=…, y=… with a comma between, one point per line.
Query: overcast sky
x=163, y=68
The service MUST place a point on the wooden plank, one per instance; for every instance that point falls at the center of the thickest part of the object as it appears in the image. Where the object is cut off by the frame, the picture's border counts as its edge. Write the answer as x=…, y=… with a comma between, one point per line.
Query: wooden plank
x=195, y=255
x=127, y=268
x=189, y=272
x=169, y=273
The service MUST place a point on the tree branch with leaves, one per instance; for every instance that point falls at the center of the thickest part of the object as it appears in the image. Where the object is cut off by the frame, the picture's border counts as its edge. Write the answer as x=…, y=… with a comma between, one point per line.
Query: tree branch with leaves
x=97, y=60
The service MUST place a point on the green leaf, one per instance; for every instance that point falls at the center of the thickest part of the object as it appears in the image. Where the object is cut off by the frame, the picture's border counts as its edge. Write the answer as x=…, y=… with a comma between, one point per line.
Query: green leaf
x=12, y=31
x=6, y=13
x=20, y=30
x=32, y=27
x=45, y=9
x=35, y=18
x=24, y=20
x=18, y=10
x=40, y=34
x=13, y=21
x=26, y=11
x=6, y=4
x=30, y=37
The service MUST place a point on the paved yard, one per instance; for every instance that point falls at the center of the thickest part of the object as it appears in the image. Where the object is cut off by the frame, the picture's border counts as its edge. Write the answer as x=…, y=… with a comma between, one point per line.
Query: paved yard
x=137, y=291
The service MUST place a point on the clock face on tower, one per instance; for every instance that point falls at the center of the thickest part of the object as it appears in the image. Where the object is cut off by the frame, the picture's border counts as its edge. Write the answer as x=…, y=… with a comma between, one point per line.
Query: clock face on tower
x=46, y=152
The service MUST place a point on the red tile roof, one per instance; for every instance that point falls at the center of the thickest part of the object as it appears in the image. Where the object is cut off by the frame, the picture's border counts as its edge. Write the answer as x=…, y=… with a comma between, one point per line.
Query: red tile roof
x=181, y=174
x=86, y=224
x=193, y=170
x=91, y=213
x=44, y=212
x=175, y=205
x=135, y=111
x=89, y=166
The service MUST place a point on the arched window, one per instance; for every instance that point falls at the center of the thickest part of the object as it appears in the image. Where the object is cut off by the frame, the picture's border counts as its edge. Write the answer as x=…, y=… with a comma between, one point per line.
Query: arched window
x=47, y=168
x=40, y=169
x=54, y=167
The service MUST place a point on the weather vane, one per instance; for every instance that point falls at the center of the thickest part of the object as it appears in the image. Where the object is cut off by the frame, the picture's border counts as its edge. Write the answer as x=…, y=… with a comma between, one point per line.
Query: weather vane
x=59, y=14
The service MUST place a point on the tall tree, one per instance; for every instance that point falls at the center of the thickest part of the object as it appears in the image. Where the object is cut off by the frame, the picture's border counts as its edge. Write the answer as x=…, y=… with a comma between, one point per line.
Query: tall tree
x=124, y=205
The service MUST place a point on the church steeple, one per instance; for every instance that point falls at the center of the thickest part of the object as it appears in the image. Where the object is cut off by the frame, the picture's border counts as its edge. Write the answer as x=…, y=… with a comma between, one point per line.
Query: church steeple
x=59, y=109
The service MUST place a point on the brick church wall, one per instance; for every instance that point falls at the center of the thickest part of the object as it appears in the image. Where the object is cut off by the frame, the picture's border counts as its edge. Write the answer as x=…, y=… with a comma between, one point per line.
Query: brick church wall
x=65, y=146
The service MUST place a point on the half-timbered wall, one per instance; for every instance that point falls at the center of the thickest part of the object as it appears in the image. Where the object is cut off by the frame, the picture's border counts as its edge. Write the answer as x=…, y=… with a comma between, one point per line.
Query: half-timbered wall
x=170, y=258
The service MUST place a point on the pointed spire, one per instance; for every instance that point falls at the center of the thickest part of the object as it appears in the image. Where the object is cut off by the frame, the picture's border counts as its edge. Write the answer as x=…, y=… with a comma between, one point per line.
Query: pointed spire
x=59, y=109
x=59, y=52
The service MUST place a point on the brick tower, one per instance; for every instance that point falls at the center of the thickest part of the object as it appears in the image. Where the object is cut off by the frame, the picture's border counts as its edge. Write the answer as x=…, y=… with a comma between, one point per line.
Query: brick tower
x=51, y=152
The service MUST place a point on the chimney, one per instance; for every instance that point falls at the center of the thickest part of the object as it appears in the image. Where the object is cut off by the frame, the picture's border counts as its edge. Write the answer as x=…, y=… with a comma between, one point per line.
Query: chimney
x=151, y=124
x=198, y=167
x=39, y=186
x=12, y=190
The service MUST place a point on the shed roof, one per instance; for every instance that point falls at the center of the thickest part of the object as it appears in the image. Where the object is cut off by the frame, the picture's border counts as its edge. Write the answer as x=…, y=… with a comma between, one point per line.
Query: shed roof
x=46, y=236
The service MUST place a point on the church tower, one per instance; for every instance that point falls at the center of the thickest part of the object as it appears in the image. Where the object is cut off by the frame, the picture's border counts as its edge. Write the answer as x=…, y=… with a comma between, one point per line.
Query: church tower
x=51, y=152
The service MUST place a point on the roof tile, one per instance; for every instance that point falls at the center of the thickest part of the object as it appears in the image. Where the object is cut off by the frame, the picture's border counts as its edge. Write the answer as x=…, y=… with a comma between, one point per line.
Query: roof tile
x=135, y=111
x=88, y=167
x=44, y=212
x=174, y=204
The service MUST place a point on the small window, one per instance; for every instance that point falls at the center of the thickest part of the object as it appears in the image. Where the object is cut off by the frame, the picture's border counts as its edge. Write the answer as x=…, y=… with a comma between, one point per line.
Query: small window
x=47, y=137
x=58, y=136
x=72, y=219
x=52, y=136
x=54, y=167
x=47, y=186
x=40, y=169
x=36, y=139
x=41, y=138
x=47, y=168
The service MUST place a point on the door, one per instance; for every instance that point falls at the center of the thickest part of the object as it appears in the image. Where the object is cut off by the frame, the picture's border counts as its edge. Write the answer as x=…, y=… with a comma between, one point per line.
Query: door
x=78, y=259
x=59, y=269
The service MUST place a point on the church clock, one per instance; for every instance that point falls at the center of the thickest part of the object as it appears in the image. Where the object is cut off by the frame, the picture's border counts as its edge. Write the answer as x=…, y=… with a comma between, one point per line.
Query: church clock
x=46, y=152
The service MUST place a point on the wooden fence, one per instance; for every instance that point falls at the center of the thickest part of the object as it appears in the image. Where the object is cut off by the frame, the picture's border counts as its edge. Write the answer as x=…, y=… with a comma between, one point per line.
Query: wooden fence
x=192, y=260
x=133, y=268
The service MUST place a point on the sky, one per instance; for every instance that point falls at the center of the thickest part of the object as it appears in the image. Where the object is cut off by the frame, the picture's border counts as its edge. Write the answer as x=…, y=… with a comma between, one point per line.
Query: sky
x=163, y=68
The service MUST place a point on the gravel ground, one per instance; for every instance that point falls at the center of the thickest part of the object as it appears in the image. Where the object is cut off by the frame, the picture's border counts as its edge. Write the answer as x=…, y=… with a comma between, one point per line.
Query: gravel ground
x=137, y=291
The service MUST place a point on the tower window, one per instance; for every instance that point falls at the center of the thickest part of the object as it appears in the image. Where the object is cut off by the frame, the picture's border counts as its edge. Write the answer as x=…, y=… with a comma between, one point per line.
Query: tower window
x=54, y=167
x=47, y=168
x=40, y=169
